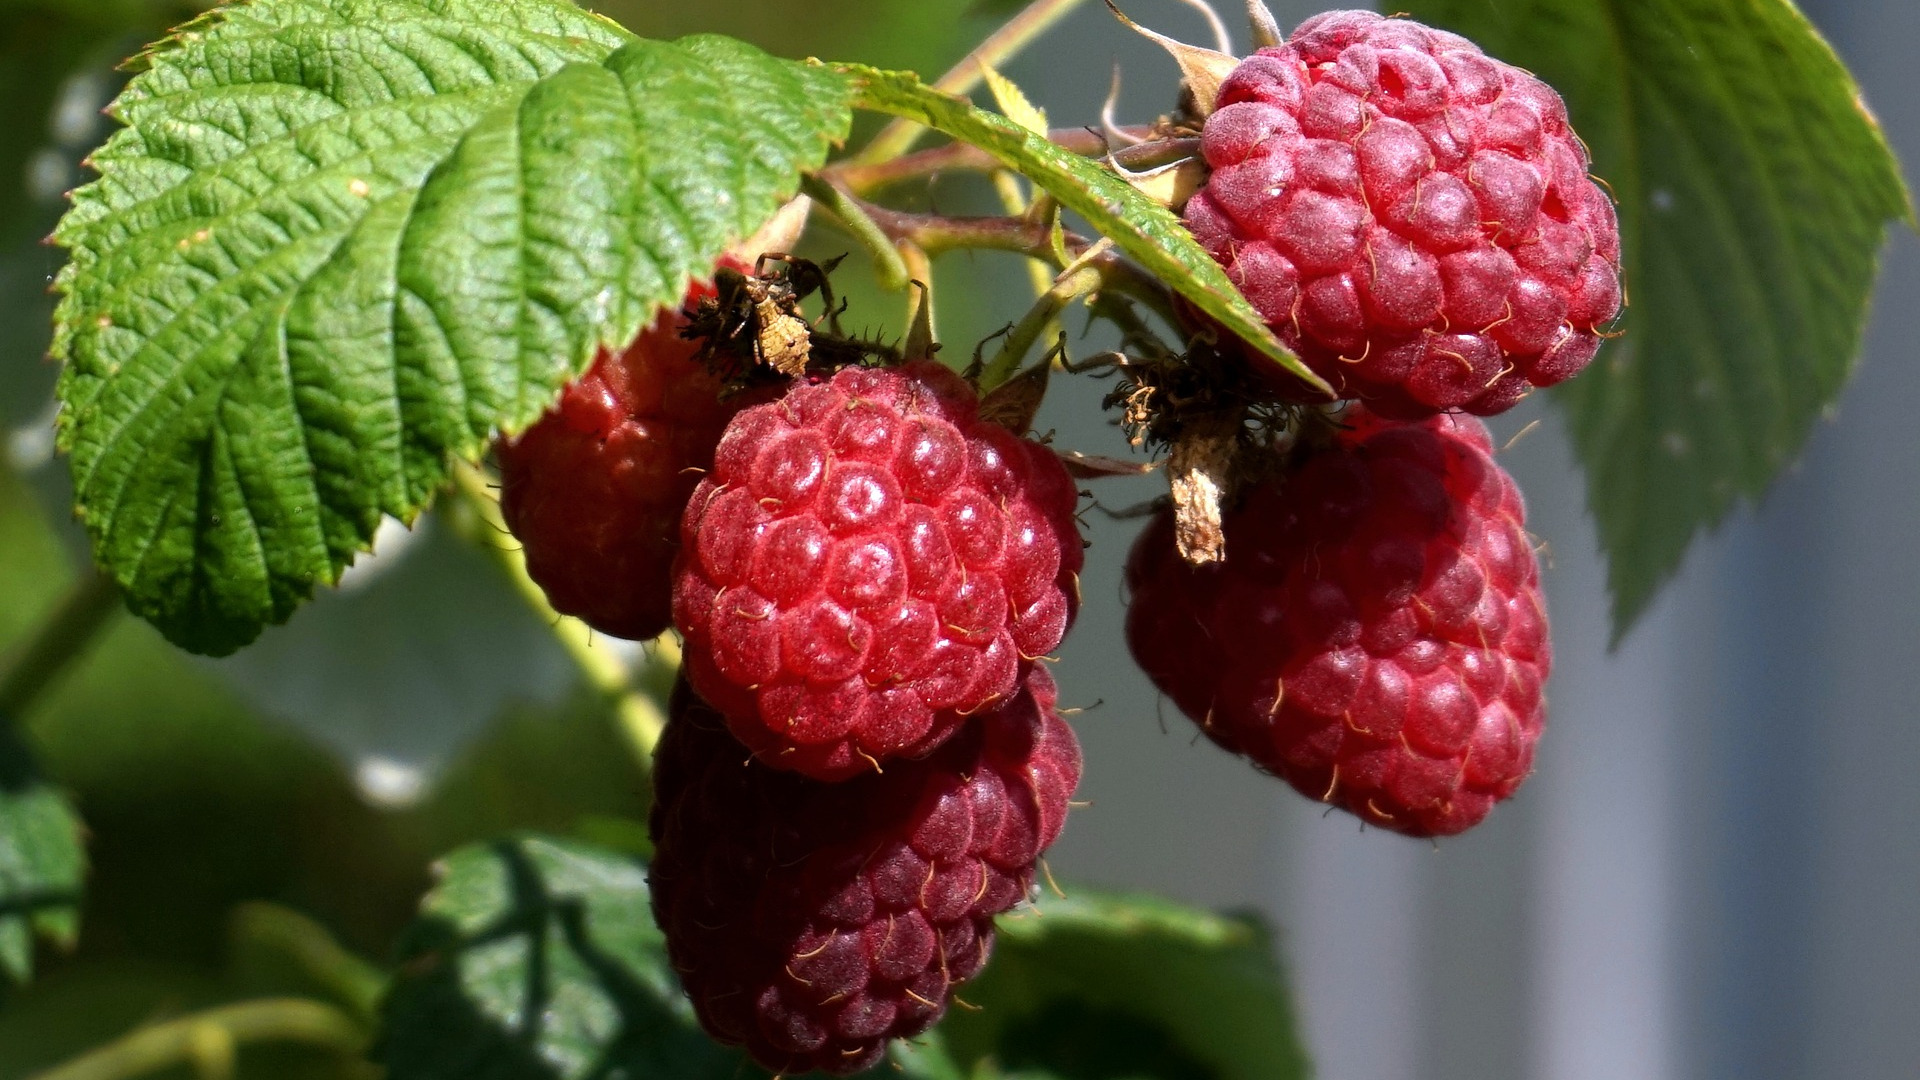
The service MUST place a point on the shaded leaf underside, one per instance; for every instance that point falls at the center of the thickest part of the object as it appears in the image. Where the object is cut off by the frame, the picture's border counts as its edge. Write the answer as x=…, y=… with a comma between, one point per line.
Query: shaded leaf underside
x=1754, y=192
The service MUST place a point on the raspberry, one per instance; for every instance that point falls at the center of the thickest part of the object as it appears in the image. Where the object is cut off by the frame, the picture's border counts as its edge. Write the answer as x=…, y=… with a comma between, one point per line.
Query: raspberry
x=1410, y=216
x=812, y=922
x=868, y=563
x=594, y=489
x=1376, y=636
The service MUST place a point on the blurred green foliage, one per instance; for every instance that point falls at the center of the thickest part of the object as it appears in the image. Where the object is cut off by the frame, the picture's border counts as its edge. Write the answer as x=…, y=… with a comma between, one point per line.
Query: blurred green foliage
x=196, y=804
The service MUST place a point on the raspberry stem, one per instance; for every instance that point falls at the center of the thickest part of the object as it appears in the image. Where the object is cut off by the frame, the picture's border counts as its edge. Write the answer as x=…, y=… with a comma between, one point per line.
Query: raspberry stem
x=936, y=234
x=1078, y=280
x=1006, y=185
x=851, y=215
x=62, y=638
x=640, y=718
x=208, y=1039
x=865, y=179
x=999, y=47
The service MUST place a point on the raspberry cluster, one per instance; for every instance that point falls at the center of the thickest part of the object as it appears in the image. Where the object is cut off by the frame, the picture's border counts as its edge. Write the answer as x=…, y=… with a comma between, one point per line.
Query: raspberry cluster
x=1410, y=216
x=863, y=760
x=594, y=490
x=1375, y=636
x=812, y=922
x=868, y=563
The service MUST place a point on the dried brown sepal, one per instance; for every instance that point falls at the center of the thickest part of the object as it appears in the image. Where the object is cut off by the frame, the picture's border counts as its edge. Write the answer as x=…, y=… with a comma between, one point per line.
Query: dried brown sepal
x=780, y=233
x=1266, y=30
x=1169, y=185
x=1014, y=403
x=1202, y=70
x=1098, y=467
x=1223, y=431
x=1200, y=472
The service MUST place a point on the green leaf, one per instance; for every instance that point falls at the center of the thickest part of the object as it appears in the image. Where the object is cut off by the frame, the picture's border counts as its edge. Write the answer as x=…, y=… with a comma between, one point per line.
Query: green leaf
x=926, y=1058
x=341, y=242
x=1754, y=190
x=536, y=959
x=1145, y=230
x=1129, y=988
x=43, y=859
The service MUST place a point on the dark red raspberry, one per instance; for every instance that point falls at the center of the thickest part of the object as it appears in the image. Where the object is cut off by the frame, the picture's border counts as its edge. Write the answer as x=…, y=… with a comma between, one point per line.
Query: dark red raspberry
x=1413, y=218
x=594, y=490
x=812, y=922
x=1376, y=636
x=868, y=563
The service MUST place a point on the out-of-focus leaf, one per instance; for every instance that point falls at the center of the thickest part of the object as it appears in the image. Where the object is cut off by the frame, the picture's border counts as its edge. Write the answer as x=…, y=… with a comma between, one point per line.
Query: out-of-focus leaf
x=423, y=647
x=1129, y=988
x=1754, y=191
x=43, y=859
x=537, y=959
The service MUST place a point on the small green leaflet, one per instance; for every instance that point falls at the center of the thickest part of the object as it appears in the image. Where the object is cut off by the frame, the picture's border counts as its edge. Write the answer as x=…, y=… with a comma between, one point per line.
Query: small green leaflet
x=1128, y=986
x=342, y=242
x=42, y=859
x=538, y=959
x=1754, y=191
x=1140, y=227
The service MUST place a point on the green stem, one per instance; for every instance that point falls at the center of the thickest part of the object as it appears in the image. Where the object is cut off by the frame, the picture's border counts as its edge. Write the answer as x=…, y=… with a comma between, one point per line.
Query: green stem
x=641, y=720
x=936, y=234
x=999, y=47
x=1006, y=184
x=888, y=264
x=1078, y=280
x=352, y=981
x=866, y=178
x=920, y=311
x=61, y=640
x=207, y=1034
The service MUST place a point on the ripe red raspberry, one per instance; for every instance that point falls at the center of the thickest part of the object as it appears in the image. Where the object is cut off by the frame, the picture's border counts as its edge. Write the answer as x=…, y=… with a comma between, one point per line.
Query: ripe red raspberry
x=812, y=922
x=1413, y=218
x=868, y=563
x=594, y=489
x=1376, y=635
